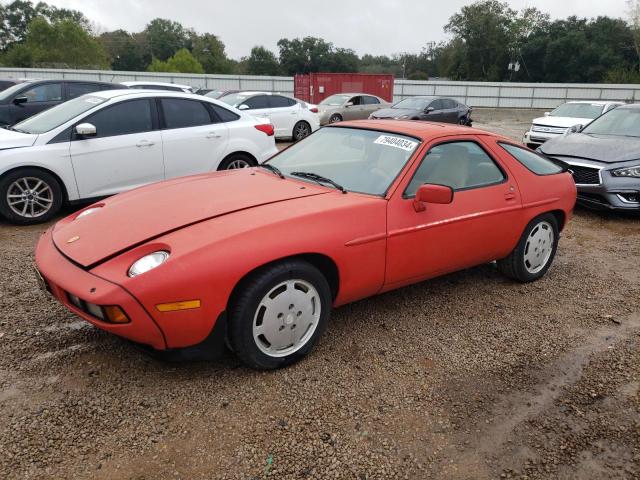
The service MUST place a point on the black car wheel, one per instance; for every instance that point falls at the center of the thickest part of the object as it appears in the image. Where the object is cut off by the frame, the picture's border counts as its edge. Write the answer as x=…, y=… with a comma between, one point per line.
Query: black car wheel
x=301, y=130
x=335, y=118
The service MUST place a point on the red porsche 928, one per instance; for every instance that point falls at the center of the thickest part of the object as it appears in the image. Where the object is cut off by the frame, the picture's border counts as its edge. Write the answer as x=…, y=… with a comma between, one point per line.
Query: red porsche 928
x=258, y=257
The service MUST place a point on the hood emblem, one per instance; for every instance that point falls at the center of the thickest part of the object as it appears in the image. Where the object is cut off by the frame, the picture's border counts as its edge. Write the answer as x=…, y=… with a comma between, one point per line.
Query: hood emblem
x=73, y=239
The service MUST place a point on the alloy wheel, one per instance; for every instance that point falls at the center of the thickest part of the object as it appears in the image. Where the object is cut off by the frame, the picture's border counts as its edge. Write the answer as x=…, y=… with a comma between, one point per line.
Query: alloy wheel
x=239, y=163
x=30, y=197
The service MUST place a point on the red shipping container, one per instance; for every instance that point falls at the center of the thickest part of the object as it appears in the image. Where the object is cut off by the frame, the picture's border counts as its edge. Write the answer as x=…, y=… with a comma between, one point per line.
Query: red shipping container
x=315, y=87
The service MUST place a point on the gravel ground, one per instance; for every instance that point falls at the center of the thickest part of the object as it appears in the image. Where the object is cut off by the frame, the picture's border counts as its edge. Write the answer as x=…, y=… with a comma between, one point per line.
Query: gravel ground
x=466, y=376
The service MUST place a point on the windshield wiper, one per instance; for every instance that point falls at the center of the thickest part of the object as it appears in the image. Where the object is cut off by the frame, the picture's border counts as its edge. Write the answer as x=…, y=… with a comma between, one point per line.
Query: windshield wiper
x=270, y=167
x=319, y=179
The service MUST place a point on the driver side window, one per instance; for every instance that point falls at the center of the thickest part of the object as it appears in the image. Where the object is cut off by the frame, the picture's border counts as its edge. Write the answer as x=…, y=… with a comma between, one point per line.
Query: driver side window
x=459, y=165
x=356, y=100
x=50, y=92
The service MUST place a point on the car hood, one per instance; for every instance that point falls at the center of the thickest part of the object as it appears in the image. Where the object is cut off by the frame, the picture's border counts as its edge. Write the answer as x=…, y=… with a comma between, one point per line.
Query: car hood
x=135, y=217
x=11, y=139
x=395, y=112
x=566, y=122
x=602, y=148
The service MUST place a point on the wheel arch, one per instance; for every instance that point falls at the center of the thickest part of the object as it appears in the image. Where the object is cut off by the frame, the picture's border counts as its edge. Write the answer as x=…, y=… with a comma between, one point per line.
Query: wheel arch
x=238, y=152
x=65, y=193
x=325, y=264
x=560, y=217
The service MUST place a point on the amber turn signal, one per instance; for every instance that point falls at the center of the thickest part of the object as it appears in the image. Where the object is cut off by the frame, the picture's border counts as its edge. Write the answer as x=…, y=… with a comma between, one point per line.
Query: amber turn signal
x=172, y=307
x=115, y=314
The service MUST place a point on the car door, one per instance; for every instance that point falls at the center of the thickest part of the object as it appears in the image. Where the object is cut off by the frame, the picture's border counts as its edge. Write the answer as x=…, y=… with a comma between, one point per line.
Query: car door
x=38, y=98
x=436, y=114
x=284, y=112
x=476, y=227
x=193, y=139
x=355, y=111
x=125, y=153
x=370, y=105
x=451, y=111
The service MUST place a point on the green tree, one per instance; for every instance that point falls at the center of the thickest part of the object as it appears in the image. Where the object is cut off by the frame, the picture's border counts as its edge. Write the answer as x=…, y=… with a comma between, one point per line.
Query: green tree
x=303, y=55
x=126, y=51
x=166, y=37
x=262, y=62
x=16, y=17
x=210, y=52
x=61, y=44
x=181, y=62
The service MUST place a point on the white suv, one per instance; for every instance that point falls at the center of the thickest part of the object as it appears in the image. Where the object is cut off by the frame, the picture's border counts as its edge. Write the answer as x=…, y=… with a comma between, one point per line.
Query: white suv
x=291, y=118
x=108, y=142
x=560, y=120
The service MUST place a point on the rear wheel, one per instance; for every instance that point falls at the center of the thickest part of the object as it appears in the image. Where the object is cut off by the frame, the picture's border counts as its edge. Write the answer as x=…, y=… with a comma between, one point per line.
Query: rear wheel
x=29, y=196
x=535, y=251
x=279, y=314
x=237, y=160
x=301, y=130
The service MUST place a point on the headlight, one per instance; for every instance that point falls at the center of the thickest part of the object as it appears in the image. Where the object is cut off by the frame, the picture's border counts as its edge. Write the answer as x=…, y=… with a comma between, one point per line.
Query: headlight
x=633, y=172
x=86, y=212
x=148, y=262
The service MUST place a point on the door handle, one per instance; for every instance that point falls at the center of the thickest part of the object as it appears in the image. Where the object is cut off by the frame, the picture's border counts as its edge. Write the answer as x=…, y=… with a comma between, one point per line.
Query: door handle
x=213, y=135
x=145, y=143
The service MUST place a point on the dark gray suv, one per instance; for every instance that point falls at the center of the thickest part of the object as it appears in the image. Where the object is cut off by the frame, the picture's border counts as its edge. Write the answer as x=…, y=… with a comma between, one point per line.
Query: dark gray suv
x=604, y=158
x=33, y=96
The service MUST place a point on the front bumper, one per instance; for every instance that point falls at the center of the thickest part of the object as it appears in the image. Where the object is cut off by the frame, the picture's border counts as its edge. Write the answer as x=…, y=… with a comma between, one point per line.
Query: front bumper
x=62, y=278
x=605, y=191
x=535, y=139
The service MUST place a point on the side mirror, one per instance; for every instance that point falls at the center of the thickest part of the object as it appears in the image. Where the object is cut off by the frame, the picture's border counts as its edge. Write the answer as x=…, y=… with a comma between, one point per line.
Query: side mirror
x=243, y=107
x=546, y=114
x=348, y=104
x=429, y=110
x=20, y=100
x=576, y=128
x=429, y=193
x=85, y=130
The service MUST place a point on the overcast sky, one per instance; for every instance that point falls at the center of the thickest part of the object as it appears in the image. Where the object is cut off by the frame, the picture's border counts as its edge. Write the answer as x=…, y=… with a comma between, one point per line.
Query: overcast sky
x=367, y=26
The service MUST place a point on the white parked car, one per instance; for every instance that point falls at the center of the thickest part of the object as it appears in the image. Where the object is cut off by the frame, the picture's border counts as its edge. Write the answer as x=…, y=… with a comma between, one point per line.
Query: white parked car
x=170, y=87
x=291, y=118
x=560, y=120
x=107, y=142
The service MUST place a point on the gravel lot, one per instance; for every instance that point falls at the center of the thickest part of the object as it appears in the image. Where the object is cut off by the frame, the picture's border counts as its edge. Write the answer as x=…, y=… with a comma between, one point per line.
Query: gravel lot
x=466, y=376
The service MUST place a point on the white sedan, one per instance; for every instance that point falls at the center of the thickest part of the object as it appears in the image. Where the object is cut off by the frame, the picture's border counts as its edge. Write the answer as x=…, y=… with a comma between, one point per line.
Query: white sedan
x=291, y=118
x=108, y=142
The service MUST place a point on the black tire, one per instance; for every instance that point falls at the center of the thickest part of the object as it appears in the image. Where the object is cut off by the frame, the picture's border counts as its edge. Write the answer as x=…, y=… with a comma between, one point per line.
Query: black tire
x=244, y=308
x=235, y=159
x=335, y=118
x=515, y=266
x=51, y=197
x=301, y=130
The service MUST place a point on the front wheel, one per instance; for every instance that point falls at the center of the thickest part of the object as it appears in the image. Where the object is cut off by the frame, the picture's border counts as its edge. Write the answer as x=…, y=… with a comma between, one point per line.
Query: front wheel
x=301, y=130
x=29, y=196
x=279, y=314
x=535, y=251
x=335, y=118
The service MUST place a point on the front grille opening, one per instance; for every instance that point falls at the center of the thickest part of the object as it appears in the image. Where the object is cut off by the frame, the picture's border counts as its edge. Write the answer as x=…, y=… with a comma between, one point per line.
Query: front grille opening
x=585, y=175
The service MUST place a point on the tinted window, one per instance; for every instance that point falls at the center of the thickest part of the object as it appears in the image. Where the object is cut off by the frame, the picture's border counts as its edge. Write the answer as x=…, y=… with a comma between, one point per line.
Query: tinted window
x=277, y=101
x=77, y=89
x=259, y=101
x=357, y=100
x=49, y=92
x=458, y=165
x=449, y=104
x=534, y=162
x=224, y=114
x=122, y=119
x=56, y=116
x=179, y=113
x=437, y=105
x=6, y=84
x=371, y=100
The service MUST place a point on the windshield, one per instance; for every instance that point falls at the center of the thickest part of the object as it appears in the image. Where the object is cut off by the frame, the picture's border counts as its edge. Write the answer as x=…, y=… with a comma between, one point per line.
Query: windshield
x=7, y=93
x=624, y=122
x=365, y=161
x=335, y=100
x=578, y=110
x=56, y=116
x=214, y=94
x=413, y=103
x=235, y=99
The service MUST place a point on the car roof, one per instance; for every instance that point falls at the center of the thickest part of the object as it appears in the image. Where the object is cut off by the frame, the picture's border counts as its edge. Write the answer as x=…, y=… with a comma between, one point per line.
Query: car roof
x=417, y=129
x=633, y=106
x=596, y=102
x=160, y=84
x=134, y=92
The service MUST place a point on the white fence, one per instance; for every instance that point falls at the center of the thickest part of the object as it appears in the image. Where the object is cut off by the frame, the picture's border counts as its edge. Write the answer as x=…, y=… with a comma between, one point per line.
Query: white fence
x=475, y=94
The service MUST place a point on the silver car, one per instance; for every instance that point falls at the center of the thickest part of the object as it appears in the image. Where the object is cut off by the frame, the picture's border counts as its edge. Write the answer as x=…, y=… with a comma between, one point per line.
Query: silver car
x=349, y=106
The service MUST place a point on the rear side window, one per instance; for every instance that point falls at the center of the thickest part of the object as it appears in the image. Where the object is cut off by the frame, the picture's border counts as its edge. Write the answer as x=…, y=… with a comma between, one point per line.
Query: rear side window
x=437, y=105
x=123, y=118
x=259, y=101
x=371, y=100
x=223, y=114
x=534, y=162
x=449, y=104
x=278, y=101
x=179, y=113
x=78, y=89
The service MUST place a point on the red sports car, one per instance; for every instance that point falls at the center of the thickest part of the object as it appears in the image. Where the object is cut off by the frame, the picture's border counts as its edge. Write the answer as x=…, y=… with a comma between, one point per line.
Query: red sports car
x=258, y=257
